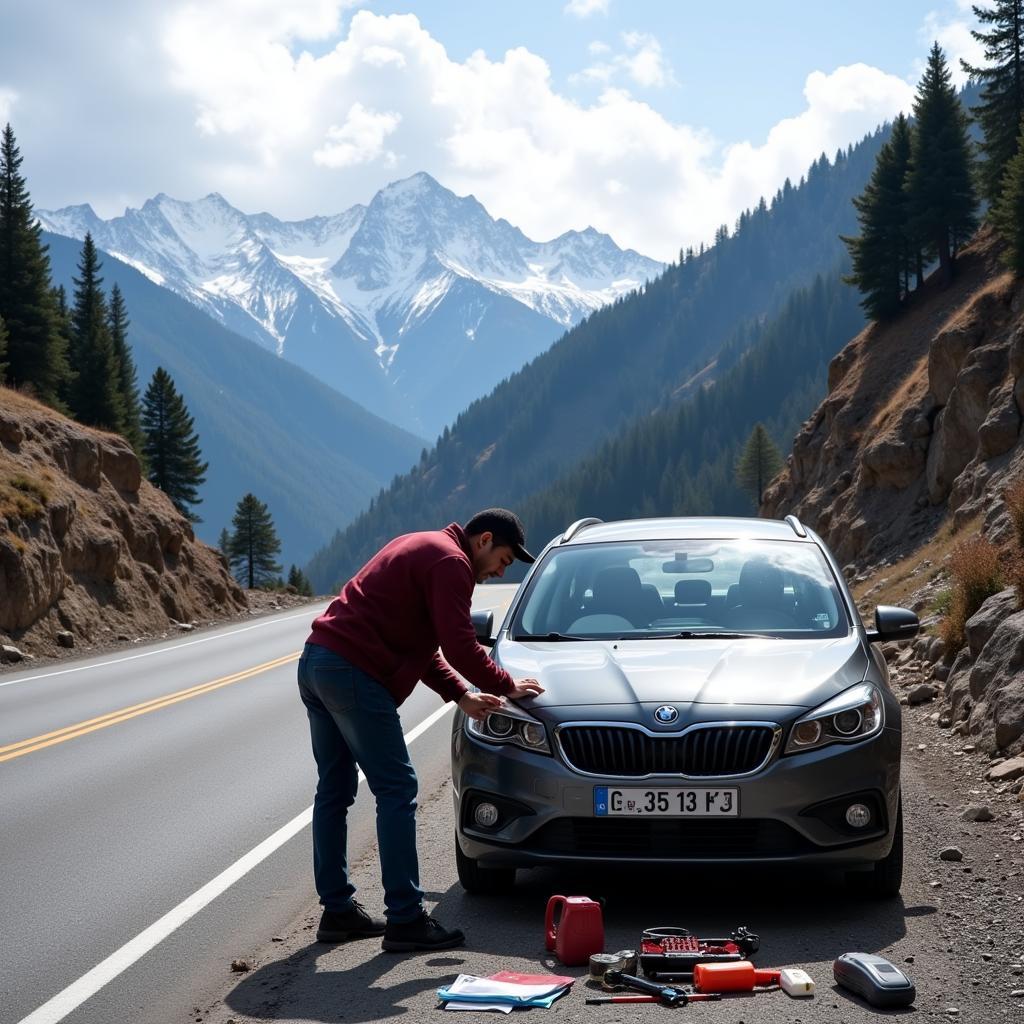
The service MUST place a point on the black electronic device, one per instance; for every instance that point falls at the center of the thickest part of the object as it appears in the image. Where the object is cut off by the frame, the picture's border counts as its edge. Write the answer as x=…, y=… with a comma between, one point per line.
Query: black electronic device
x=874, y=979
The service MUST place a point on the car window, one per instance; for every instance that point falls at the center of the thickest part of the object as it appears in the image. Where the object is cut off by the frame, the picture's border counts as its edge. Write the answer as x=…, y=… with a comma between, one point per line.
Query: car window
x=655, y=588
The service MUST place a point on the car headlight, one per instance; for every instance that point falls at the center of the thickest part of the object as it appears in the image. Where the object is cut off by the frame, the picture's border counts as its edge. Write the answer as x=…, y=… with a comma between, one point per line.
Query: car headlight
x=852, y=715
x=511, y=726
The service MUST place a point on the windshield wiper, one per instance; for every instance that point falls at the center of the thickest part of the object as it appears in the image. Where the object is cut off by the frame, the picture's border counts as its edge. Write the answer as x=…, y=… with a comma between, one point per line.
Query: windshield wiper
x=550, y=636
x=689, y=634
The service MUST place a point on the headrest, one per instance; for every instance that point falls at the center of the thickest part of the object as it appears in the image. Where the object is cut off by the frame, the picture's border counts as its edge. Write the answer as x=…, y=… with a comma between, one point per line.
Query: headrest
x=617, y=579
x=760, y=581
x=693, y=592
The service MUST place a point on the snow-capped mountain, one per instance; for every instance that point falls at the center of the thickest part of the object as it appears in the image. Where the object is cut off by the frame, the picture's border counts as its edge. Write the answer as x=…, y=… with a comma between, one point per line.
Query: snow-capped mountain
x=413, y=305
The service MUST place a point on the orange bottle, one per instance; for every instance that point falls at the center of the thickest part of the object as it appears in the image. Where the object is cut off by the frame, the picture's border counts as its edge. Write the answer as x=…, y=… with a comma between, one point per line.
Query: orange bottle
x=740, y=976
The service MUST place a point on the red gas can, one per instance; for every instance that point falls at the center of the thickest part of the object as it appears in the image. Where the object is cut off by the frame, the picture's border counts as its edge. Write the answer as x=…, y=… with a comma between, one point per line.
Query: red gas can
x=577, y=933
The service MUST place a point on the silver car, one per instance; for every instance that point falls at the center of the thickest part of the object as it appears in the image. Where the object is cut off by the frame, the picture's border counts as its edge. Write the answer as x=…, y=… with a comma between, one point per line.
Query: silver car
x=711, y=695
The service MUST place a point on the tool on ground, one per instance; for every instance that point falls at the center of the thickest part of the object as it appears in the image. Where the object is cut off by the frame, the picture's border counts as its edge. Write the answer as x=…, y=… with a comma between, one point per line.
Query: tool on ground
x=573, y=929
x=741, y=976
x=688, y=997
x=667, y=994
x=625, y=960
x=874, y=979
x=670, y=951
x=795, y=982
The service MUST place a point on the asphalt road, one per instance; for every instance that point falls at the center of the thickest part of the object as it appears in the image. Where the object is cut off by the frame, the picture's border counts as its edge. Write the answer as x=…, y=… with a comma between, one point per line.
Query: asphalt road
x=154, y=819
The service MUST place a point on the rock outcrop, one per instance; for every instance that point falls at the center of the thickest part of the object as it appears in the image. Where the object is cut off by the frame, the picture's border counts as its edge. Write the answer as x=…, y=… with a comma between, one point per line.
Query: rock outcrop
x=921, y=429
x=86, y=544
x=922, y=420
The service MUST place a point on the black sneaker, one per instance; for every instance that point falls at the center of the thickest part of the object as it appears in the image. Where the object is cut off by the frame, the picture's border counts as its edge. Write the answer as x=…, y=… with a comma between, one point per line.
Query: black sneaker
x=354, y=923
x=422, y=932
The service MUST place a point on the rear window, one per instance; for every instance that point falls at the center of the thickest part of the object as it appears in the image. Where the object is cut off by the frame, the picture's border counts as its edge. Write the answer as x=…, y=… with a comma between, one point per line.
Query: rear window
x=654, y=588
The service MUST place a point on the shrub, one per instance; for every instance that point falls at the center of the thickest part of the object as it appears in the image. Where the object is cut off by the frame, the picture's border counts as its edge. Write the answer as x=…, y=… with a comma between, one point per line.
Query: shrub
x=976, y=574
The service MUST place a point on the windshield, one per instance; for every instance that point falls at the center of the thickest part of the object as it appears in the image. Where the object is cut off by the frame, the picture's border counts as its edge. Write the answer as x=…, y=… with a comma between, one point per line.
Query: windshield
x=685, y=588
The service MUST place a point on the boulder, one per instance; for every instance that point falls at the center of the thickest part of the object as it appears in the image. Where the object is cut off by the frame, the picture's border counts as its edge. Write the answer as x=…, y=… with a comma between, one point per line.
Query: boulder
x=1006, y=771
x=120, y=465
x=998, y=433
x=996, y=689
x=10, y=653
x=893, y=462
x=982, y=624
x=945, y=357
x=922, y=693
x=65, y=638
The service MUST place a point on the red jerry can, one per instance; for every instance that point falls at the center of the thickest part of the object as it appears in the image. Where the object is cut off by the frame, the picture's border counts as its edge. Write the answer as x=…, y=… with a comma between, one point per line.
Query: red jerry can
x=579, y=931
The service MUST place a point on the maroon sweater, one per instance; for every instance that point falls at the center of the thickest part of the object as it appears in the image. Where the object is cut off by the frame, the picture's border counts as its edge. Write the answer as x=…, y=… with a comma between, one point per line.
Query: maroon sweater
x=412, y=597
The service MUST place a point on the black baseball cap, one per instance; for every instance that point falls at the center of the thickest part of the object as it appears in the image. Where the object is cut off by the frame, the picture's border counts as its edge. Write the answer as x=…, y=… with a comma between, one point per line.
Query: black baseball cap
x=507, y=528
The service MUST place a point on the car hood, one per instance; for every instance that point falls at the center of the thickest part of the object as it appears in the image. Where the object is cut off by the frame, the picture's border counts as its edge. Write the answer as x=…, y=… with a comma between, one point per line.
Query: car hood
x=769, y=672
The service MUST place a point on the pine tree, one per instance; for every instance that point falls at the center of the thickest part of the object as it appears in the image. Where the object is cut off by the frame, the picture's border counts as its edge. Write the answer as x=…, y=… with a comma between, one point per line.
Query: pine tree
x=1008, y=213
x=118, y=323
x=224, y=542
x=36, y=352
x=1002, y=95
x=941, y=193
x=96, y=393
x=758, y=463
x=3, y=350
x=297, y=579
x=171, y=445
x=881, y=253
x=254, y=543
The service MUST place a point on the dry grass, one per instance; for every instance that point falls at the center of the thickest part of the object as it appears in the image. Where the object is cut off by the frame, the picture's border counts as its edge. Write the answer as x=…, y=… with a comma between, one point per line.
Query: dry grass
x=976, y=574
x=23, y=496
x=904, y=577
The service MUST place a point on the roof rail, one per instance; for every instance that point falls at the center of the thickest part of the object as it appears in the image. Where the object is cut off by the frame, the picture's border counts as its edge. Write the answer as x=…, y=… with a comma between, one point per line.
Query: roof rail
x=798, y=527
x=580, y=524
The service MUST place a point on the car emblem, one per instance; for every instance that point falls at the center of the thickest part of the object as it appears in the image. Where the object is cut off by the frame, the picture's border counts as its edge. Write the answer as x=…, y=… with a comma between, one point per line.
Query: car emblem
x=666, y=714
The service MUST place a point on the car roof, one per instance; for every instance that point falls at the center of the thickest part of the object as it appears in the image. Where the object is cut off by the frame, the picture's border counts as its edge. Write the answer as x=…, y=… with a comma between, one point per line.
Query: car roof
x=682, y=528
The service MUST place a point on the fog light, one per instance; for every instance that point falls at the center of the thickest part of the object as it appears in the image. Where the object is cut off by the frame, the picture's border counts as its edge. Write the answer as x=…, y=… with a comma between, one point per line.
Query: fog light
x=533, y=735
x=486, y=815
x=807, y=733
x=858, y=815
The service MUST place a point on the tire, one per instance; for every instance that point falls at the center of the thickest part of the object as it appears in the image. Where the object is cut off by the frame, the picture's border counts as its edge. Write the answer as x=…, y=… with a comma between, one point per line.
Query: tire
x=482, y=881
x=884, y=879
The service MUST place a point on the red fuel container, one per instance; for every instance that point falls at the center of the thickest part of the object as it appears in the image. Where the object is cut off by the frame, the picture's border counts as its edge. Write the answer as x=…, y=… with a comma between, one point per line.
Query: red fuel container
x=577, y=933
x=741, y=976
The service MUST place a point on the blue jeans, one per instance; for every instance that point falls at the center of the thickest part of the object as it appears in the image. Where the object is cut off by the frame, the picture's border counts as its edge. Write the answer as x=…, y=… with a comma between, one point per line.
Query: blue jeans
x=354, y=723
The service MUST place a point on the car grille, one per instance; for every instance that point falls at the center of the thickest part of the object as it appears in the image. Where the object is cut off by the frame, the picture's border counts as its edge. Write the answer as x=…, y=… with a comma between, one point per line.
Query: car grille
x=625, y=753
x=671, y=838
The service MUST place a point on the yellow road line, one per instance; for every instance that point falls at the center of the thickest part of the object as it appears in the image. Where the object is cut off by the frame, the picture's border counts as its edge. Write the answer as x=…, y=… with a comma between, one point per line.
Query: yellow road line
x=70, y=732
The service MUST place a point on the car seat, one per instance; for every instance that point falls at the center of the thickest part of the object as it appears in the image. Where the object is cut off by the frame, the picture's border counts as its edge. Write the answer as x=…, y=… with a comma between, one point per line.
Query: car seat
x=761, y=602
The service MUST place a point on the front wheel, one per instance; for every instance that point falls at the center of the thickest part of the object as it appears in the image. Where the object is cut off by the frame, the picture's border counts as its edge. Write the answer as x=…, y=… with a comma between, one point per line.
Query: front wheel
x=886, y=876
x=482, y=881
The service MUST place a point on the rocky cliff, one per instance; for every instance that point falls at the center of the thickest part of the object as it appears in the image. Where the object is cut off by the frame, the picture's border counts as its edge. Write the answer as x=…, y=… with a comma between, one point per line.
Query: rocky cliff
x=918, y=437
x=87, y=546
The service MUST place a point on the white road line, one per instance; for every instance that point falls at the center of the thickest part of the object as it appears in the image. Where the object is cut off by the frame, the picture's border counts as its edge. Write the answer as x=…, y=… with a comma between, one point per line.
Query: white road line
x=149, y=654
x=64, y=1002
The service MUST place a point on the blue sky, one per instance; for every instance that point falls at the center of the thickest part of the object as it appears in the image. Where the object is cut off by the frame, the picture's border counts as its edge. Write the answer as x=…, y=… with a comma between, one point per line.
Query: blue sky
x=740, y=67
x=653, y=121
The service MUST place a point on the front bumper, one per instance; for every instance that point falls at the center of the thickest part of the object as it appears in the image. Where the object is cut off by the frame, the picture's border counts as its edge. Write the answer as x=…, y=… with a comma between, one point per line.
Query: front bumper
x=787, y=810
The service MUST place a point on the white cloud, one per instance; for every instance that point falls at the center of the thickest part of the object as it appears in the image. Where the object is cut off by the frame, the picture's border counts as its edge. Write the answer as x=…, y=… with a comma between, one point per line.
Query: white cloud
x=190, y=102
x=643, y=62
x=7, y=100
x=598, y=48
x=359, y=140
x=585, y=8
x=954, y=36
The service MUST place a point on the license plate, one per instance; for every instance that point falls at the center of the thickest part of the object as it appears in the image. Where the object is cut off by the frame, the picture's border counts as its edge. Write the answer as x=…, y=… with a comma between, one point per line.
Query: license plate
x=611, y=801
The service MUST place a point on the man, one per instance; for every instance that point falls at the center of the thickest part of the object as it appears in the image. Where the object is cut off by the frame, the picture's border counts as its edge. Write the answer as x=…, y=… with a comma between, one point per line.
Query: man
x=364, y=657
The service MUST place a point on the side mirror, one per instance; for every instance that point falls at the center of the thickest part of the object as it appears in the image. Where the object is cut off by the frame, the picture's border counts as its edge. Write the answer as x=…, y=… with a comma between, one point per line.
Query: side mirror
x=893, y=624
x=483, y=626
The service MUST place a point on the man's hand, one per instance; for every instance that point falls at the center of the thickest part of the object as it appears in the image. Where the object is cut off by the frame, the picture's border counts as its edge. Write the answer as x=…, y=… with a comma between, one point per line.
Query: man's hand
x=479, y=705
x=525, y=688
